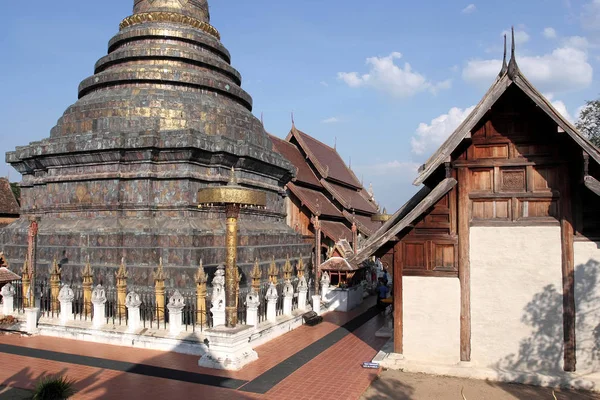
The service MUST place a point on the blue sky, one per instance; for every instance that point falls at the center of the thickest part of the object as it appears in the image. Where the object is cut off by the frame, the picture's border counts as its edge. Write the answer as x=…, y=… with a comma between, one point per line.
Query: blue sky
x=389, y=79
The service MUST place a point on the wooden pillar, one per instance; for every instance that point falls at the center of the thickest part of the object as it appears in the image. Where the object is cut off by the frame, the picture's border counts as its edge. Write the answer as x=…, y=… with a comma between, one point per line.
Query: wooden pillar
x=398, y=270
x=568, y=273
x=32, y=256
x=232, y=212
x=122, y=275
x=55, y=272
x=317, y=225
x=88, y=282
x=159, y=291
x=354, y=237
x=201, y=280
x=26, y=282
x=464, y=264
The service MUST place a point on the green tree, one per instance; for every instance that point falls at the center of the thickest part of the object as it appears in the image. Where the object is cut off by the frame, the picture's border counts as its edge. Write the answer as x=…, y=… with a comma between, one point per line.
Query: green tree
x=589, y=121
x=16, y=189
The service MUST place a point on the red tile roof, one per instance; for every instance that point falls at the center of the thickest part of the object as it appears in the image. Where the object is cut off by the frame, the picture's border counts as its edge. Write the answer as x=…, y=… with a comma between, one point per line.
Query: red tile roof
x=8, y=203
x=325, y=158
x=314, y=200
x=304, y=173
x=336, y=230
x=364, y=223
x=350, y=199
x=7, y=275
x=337, y=264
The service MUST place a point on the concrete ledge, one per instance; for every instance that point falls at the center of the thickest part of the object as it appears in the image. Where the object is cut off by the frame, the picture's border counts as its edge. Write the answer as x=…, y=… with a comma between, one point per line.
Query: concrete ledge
x=590, y=382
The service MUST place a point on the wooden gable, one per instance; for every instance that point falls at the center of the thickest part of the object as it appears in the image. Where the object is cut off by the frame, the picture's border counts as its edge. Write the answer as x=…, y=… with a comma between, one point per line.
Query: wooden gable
x=429, y=247
x=518, y=163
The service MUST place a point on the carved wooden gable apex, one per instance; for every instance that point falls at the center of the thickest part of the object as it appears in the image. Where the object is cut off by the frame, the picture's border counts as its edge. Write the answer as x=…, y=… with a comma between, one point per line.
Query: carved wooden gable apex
x=509, y=75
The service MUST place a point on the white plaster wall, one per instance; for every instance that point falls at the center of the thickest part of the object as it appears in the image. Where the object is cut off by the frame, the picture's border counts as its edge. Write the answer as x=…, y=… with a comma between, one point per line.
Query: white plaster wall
x=431, y=319
x=587, y=305
x=516, y=298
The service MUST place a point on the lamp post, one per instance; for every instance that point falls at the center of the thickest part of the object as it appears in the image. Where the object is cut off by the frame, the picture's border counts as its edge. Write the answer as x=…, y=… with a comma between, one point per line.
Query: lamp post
x=382, y=217
x=317, y=225
x=32, y=253
x=233, y=197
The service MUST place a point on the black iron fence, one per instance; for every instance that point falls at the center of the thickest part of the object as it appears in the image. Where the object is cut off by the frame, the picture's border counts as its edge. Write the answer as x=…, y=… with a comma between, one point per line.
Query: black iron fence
x=152, y=315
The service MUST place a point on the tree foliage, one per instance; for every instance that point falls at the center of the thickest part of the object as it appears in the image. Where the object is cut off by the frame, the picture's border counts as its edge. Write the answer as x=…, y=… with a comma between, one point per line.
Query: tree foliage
x=589, y=121
x=16, y=189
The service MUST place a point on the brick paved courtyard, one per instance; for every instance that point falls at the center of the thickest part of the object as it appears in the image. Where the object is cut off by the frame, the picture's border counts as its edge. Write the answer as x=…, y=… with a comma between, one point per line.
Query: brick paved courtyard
x=311, y=362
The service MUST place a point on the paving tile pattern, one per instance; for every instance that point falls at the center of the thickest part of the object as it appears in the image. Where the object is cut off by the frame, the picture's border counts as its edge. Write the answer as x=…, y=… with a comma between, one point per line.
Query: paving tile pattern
x=335, y=373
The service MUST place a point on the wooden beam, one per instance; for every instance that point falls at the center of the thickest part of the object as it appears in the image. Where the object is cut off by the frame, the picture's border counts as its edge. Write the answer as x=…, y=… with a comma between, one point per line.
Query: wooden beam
x=592, y=184
x=414, y=210
x=464, y=269
x=398, y=300
x=568, y=273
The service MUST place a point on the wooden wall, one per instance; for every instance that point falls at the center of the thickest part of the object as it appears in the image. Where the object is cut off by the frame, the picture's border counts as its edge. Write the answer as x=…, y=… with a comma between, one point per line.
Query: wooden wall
x=298, y=219
x=430, y=247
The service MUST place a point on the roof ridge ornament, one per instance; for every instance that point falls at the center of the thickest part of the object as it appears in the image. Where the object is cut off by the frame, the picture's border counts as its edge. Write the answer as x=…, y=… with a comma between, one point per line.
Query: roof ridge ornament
x=513, y=68
x=504, y=64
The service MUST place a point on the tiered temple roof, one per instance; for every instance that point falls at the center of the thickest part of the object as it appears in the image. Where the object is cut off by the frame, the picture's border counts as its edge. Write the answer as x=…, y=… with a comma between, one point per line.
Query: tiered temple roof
x=327, y=187
x=9, y=208
x=162, y=116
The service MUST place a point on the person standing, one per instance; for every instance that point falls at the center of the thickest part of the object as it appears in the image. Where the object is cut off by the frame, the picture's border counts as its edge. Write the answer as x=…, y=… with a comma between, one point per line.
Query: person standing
x=382, y=293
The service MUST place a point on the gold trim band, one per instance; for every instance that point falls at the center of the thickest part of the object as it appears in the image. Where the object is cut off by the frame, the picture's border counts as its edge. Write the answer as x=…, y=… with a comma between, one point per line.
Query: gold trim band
x=380, y=217
x=162, y=16
x=232, y=195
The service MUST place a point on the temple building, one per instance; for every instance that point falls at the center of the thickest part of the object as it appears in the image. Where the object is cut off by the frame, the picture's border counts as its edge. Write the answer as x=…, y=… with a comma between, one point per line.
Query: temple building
x=325, y=187
x=9, y=207
x=496, y=260
x=163, y=116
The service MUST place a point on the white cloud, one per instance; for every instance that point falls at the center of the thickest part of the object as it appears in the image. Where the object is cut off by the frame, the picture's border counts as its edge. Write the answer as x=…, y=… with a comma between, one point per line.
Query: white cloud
x=550, y=33
x=430, y=136
x=565, y=69
x=331, y=120
x=399, y=81
x=471, y=8
x=578, y=42
x=559, y=106
x=408, y=169
x=392, y=181
x=562, y=109
x=521, y=37
x=590, y=17
x=323, y=83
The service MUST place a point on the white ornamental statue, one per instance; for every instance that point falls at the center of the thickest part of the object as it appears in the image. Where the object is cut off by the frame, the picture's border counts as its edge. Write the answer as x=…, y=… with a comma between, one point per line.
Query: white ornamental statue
x=8, y=290
x=133, y=300
x=176, y=301
x=272, y=293
x=288, y=289
x=98, y=300
x=218, y=297
x=66, y=294
x=218, y=283
x=252, y=299
x=8, y=294
x=325, y=279
x=99, y=295
x=302, y=284
x=272, y=297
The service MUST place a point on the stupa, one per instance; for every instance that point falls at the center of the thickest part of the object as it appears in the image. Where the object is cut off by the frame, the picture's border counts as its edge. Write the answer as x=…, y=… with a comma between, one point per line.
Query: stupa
x=163, y=116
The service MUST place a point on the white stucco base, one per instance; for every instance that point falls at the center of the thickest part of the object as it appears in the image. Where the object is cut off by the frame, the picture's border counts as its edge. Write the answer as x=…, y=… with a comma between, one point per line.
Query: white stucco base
x=469, y=371
x=431, y=319
x=587, y=306
x=345, y=300
x=191, y=343
x=516, y=299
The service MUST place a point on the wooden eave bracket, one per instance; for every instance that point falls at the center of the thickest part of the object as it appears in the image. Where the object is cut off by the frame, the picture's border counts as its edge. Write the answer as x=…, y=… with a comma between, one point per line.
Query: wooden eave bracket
x=592, y=183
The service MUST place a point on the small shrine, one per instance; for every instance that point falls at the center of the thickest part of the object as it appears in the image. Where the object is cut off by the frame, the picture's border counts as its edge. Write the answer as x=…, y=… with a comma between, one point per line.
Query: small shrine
x=341, y=284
